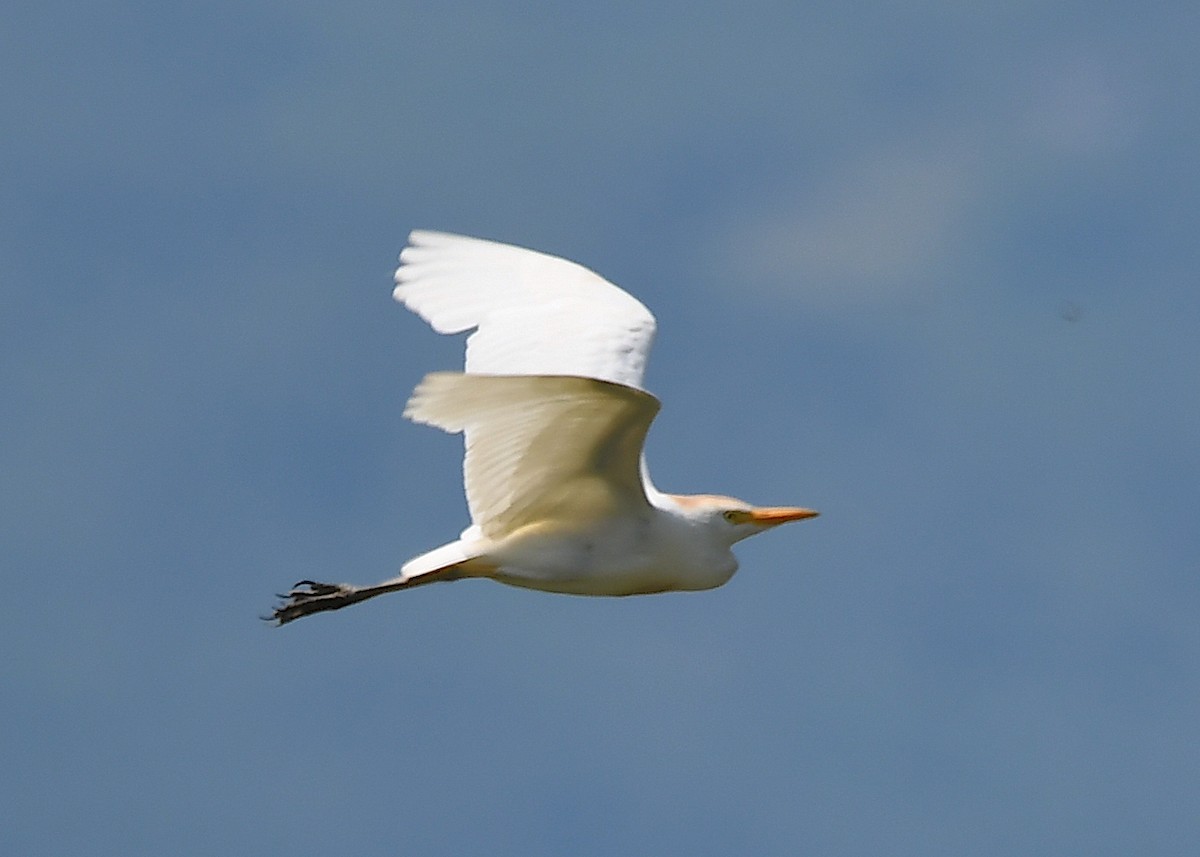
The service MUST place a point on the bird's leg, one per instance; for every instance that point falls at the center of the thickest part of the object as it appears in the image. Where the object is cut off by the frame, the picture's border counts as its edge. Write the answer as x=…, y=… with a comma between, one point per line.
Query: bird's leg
x=309, y=596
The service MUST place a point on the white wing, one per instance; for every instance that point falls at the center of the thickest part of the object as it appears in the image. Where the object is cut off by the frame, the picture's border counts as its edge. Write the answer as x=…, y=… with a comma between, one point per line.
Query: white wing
x=533, y=314
x=541, y=448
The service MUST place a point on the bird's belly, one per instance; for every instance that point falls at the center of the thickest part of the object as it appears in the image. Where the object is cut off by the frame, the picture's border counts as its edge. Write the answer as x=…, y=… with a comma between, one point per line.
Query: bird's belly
x=620, y=560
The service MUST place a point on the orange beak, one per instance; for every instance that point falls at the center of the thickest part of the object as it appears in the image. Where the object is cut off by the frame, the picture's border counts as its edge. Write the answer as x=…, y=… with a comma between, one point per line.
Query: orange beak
x=771, y=516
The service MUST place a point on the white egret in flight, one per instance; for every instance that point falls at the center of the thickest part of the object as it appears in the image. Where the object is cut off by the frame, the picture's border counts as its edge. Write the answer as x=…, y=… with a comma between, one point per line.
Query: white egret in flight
x=554, y=417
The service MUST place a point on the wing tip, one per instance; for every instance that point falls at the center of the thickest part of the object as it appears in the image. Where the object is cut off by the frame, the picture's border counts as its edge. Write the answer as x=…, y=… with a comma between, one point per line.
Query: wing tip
x=427, y=404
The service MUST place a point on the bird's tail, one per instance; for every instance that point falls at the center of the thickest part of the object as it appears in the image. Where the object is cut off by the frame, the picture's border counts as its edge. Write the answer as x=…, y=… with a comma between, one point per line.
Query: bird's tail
x=456, y=559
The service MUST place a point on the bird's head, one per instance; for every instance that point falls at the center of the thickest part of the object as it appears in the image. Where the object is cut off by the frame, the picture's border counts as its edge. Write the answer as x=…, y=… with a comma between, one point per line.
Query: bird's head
x=736, y=519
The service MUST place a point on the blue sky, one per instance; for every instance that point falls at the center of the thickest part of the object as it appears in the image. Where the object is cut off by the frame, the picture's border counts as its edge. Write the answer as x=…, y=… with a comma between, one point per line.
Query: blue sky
x=930, y=269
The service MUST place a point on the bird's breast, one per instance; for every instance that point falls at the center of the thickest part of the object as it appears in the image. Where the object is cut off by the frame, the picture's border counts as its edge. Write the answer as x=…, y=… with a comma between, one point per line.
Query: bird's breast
x=628, y=556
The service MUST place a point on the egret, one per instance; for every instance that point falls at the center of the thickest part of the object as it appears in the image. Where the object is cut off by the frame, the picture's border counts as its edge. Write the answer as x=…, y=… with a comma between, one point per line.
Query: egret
x=555, y=418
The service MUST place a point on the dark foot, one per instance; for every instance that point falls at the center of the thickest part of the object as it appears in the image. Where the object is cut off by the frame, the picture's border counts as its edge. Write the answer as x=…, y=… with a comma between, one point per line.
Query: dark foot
x=309, y=596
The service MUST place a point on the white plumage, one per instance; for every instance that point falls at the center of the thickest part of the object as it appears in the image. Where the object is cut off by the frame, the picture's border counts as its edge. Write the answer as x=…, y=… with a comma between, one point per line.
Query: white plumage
x=555, y=417
x=588, y=435
x=532, y=314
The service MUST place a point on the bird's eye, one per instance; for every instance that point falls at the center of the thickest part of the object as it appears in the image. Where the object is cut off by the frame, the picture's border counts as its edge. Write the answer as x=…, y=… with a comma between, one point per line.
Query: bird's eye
x=731, y=516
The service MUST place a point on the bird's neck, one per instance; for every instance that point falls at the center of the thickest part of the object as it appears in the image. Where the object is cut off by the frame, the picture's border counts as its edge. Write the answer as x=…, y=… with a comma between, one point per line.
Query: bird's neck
x=655, y=496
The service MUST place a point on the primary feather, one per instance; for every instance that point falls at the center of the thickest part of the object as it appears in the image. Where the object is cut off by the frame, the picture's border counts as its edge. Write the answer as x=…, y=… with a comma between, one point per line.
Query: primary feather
x=532, y=313
x=541, y=448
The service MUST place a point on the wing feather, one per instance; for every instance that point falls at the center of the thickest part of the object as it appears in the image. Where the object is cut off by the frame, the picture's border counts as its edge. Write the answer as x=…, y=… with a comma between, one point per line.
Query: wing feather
x=541, y=447
x=532, y=313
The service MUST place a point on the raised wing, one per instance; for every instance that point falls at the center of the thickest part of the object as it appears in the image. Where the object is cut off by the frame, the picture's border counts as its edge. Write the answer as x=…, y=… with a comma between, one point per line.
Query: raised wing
x=541, y=447
x=533, y=314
